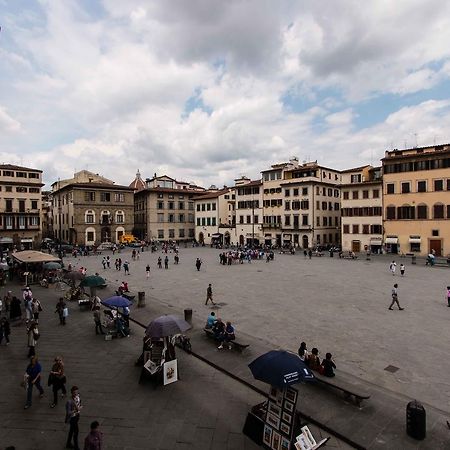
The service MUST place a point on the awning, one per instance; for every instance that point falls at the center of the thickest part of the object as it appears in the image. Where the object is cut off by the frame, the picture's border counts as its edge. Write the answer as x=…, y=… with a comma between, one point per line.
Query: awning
x=414, y=240
x=391, y=240
x=32, y=256
x=26, y=240
x=216, y=235
x=374, y=241
x=6, y=240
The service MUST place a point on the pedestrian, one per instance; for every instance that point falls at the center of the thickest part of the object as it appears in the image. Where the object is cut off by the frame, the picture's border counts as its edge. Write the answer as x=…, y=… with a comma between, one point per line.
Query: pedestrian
x=98, y=320
x=209, y=294
x=448, y=296
x=73, y=409
x=126, y=268
x=27, y=300
x=159, y=262
x=5, y=330
x=33, y=378
x=94, y=439
x=395, y=298
x=57, y=380
x=198, y=263
x=176, y=258
x=36, y=308
x=309, y=253
x=392, y=267
x=15, y=311
x=116, y=264
x=104, y=262
x=402, y=269
x=32, y=338
x=108, y=262
x=62, y=310
x=120, y=264
x=166, y=262
x=147, y=271
x=7, y=300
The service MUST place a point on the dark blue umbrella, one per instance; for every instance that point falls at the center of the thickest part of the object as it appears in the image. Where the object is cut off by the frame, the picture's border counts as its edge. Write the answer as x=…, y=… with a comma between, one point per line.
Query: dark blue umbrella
x=167, y=325
x=280, y=368
x=117, y=301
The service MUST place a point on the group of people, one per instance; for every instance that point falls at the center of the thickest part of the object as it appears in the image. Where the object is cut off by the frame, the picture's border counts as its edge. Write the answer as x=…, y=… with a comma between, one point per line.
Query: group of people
x=325, y=367
x=240, y=255
x=223, y=331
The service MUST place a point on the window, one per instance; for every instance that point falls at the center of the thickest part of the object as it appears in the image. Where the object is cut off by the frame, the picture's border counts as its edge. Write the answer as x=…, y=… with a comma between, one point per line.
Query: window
x=203, y=207
x=287, y=221
x=120, y=217
x=89, y=216
x=355, y=195
x=305, y=191
x=256, y=219
x=180, y=205
x=181, y=218
x=171, y=205
x=287, y=205
x=21, y=205
x=287, y=192
x=324, y=206
x=90, y=236
x=160, y=195
x=21, y=222
x=421, y=186
x=438, y=185
x=8, y=188
x=249, y=219
x=365, y=194
x=325, y=221
x=448, y=184
x=8, y=173
x=171, y=233
x=181, y=233
x=198, y=207
x=208, y=221
x=181, y=197
x=33, y=190
x=171, y=218
x=34, y=204
x=366, y=229
x=198, y=221
x=191, y=232
x=438, y=211
x=295, y=192
x=435, y=233
x=213, y=206
x=376, y=193
x=345, y=195
x=171, y=196
x=8, y=222
x=203, y=221
x=34, y=221
x=191, y=218
x=414, y=247
x=305, y=219
x=119, y=197
x=355, y=229
x=105, y=196
x=390, y=188
x=21, y=189
x=405, y=212
x=33, y=175
x=422, y=212
x=89, y=196
x=390, y=213
x=376, y=229
x=160, y=205
x=356, y=178
x=406, y=187
x=160, y=234
x=318, y=221
x=213, y=221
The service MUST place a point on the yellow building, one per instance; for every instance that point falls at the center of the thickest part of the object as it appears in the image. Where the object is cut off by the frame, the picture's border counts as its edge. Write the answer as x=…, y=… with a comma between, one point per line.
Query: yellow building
x=416, y=202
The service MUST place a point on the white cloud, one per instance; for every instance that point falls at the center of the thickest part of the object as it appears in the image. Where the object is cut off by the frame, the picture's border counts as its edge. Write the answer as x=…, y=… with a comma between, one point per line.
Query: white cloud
x=7, y=123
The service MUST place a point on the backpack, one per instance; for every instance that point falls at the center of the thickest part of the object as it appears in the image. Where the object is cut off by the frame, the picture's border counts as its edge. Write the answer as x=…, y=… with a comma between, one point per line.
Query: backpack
x=36, y=336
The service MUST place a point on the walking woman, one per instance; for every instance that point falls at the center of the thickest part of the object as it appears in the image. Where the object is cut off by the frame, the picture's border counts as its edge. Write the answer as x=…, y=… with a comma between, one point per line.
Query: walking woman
x=73, y=408
x=32, y=336
x=57, y=379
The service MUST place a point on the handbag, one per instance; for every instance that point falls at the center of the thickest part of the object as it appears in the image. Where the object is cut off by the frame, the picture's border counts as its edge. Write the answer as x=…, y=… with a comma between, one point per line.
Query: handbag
x=39, y=307
x=65, y=312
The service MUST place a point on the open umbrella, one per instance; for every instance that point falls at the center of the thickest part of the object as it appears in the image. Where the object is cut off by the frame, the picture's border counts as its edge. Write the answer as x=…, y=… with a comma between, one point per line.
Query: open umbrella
x=92, y=281
x=52, y=265
x=280, y=368
x=73, y=275
x=167, y=325
x=117, y=301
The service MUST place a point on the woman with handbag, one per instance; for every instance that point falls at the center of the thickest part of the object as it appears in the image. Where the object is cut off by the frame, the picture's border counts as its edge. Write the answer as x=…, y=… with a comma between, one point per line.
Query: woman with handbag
x=62, y=310
x=32, y=337
x=36, y=308
x=57, y=380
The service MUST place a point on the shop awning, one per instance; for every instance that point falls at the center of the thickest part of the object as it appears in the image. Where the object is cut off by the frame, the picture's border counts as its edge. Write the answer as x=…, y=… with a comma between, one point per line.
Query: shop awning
x=6, y=240
x=32, y=256
x=374, y=241
x=216, y=235
x=391, y=240
x=26, y=240
x=414, y=240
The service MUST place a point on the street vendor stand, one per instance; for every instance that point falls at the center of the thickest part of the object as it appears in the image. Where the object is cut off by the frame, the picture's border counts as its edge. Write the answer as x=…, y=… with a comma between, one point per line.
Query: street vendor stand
x=31, y=259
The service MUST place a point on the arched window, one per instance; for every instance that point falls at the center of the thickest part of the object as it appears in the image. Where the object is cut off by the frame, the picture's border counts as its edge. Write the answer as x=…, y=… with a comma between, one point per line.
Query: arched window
x=89, y=216
x=422, y=211
x=120, y=217
x=89, y=236
x=438, y=211
x=405, y=212
x=105, y=217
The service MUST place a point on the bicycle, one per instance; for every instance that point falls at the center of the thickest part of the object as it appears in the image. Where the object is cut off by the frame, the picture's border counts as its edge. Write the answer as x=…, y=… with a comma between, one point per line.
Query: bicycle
x=182, y=341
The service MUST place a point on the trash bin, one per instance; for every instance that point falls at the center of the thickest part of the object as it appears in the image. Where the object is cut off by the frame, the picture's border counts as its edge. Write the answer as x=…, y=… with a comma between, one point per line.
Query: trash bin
x=416, y=420
x=188, y=315
x=141, y=299
x=413, y=259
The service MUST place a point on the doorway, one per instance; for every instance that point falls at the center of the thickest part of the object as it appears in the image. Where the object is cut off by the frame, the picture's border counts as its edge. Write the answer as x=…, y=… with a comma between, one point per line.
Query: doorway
x=435, y=247
x=356, y=246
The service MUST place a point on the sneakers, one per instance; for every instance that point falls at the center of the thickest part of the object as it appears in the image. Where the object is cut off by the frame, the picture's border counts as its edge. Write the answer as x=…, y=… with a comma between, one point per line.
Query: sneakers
x=220, y=346
x=26, y=406
x=390, y=309
x=401, y=309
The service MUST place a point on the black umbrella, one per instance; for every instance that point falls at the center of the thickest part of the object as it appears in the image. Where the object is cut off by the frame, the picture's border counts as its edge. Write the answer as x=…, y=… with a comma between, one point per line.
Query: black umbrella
x=73, y=275
x=167, y=325
x=280, y=368
x=93, y=281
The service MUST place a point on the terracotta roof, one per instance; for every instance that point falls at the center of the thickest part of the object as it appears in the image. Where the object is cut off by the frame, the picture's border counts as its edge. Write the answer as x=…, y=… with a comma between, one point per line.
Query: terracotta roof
x=138, y=184
x=109, y=187
x=355, y=169
x=13, y=167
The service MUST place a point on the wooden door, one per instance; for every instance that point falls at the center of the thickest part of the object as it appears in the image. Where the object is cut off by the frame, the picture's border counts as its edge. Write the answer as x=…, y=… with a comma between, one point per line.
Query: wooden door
x=436, y=245
x=356, y=246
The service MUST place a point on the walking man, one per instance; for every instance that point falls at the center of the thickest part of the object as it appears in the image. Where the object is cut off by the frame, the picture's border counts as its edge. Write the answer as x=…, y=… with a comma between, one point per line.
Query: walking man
x=166, y=262
x=198, y=264
x=392, y=267
x=126, y=268
x=73, y=408
x=147, y=271
x=94, y=439
x=402, y=269
x=395, y=298
x=159, y=262
x=98, y=321
x=209, y=295
x=33, y=377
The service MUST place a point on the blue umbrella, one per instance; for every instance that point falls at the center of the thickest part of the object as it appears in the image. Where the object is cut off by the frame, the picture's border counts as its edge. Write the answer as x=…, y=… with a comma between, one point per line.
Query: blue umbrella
x=280, y=368
x=117, y=301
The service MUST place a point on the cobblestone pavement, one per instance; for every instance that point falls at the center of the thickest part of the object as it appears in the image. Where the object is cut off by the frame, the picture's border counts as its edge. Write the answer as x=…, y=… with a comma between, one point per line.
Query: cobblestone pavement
x=336, y=305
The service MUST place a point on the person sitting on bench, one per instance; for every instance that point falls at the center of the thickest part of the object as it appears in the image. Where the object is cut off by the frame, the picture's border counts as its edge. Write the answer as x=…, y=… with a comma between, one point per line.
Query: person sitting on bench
x=211, y=320
x=218, y=329
x=228, y=336
x=314, y=360
x=123, y=288
x=328, y=366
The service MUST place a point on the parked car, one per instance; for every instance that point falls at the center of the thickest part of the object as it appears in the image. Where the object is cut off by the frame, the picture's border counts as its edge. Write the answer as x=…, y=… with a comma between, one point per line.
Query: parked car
x=105, y=246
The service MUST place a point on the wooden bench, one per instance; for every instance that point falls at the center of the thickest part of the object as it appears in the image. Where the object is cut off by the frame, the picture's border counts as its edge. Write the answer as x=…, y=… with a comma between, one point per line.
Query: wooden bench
x=237, y=345
x=359, y=393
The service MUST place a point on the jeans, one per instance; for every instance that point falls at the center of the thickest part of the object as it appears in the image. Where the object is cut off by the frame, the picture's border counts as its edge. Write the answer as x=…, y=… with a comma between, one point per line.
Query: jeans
x=37, y=383
x=73, y=432
x=57, y=385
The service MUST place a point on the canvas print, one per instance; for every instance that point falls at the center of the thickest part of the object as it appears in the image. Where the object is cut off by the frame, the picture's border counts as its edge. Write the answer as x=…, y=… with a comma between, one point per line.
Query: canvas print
x=267, y=436
x=170, y=371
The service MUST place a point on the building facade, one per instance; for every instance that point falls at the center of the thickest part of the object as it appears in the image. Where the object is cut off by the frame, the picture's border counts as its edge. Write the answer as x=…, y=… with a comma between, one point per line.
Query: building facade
x=164, y=210
x=301, y=205
x=416, y=203
x=20, y=207
x=249, y=212
x=362, y=209
x=89, y=209
x=214, y=217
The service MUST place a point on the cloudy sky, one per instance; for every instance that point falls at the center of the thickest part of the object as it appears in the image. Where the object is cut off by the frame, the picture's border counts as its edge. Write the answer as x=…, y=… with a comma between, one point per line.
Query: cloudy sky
x=208, y=90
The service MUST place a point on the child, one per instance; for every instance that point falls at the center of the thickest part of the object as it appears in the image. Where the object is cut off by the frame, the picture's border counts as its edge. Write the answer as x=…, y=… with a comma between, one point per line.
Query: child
x=402, y=269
